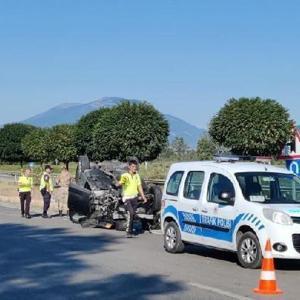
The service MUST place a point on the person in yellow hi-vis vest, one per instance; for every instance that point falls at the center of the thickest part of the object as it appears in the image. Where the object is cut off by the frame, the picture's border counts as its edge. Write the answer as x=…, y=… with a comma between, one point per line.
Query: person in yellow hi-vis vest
x=131, y=188
x=46, y=188
x=25, y=184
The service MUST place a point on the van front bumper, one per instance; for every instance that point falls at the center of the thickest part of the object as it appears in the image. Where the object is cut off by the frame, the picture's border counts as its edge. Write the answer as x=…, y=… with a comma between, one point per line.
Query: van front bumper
x=288, y=236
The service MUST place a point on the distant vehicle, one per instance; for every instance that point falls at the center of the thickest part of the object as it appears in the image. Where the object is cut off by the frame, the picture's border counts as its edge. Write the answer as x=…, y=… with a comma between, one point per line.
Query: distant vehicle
x=95, y=201
x=232, y=205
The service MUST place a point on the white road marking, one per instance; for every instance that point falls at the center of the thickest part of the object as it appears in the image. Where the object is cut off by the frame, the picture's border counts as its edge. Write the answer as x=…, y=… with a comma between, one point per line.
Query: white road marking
x=218, y=291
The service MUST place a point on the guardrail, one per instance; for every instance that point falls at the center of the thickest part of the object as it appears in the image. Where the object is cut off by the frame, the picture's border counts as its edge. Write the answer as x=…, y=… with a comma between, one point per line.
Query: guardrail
x=9, y=176
x=159, y=182
x=14, y=176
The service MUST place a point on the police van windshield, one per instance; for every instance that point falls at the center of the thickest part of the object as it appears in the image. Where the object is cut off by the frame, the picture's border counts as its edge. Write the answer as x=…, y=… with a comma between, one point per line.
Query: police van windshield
x=271, y=188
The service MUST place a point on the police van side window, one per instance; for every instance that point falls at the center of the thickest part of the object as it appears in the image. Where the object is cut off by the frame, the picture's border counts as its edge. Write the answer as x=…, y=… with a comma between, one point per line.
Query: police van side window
x=174, y=183
x=219, y=184
x=193, y=185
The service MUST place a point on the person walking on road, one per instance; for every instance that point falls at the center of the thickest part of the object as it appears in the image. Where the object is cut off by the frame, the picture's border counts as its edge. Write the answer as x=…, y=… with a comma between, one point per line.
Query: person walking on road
x=25, y=184
x=46, y=188
x=63, y=182
x=131, y=188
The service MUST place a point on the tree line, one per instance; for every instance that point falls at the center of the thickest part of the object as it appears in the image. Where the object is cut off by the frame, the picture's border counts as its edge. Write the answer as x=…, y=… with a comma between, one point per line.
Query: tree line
x=107, y=133
x=244, y=126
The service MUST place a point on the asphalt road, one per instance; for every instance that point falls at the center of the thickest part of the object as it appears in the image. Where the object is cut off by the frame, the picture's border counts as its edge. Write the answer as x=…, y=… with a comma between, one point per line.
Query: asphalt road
x=55, y=259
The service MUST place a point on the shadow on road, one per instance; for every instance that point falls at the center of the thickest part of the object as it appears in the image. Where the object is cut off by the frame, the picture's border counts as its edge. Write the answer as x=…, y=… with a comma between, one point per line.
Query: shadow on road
x=38, y=263
x=36, y=215
x=280, y=264
x=287, y=265
x=211, y=253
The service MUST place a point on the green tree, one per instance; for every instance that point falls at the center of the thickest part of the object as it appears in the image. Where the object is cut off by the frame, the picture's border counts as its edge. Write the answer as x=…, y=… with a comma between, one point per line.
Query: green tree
x=11, y=136
x=84, y=131
x=37, y=145
x=167, y=153
x=62, y=143
x=206, y=148
x=179, y=147
x=130, y=129
x=252, y=126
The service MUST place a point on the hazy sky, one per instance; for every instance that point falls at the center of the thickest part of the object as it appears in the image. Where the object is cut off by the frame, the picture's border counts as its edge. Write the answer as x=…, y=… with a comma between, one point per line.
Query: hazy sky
x=186, y=57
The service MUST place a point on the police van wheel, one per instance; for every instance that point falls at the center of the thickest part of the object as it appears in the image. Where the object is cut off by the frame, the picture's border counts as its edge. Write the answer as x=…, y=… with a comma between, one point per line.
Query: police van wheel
x=249, y=251
x=172, y=238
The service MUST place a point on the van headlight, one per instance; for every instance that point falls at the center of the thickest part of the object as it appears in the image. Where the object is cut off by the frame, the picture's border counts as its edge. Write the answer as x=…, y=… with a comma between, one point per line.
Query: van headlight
x=277, y=216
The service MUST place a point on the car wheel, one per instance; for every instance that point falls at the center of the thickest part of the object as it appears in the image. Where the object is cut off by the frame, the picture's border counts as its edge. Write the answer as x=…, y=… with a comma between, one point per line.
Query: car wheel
x=249, y=251
x=155, y=190
x=172, y=238
x=84, y=163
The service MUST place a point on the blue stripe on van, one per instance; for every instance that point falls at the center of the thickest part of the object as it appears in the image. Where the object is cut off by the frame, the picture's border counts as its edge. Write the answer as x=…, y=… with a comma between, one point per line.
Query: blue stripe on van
x=245, y=216
x=254, y=220
x=250, y=217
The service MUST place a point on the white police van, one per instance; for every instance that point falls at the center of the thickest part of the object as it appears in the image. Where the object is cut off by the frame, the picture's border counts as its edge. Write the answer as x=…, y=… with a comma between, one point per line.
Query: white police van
x=235, y=206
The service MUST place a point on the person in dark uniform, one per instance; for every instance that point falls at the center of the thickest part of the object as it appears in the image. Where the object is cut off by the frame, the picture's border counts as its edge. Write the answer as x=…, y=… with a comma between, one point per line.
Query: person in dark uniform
x=46, y=188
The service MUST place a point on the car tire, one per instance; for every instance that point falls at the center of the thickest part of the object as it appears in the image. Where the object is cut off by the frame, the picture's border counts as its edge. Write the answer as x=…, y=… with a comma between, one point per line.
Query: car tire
x=84, y=163
x=155, y=190
x=249, y=251
x=172, y=238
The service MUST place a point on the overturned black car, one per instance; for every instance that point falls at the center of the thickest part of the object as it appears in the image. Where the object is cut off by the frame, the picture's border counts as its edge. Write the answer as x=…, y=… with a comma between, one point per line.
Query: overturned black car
x=94, y=201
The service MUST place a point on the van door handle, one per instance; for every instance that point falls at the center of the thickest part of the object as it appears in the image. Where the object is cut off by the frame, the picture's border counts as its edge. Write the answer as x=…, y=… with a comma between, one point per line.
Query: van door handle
x=195, y=208
x=205, y=211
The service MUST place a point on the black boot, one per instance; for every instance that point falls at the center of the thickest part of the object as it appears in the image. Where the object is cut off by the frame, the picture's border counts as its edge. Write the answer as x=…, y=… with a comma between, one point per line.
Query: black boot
x=45, y=215
x=28, y=216
x=60, y=213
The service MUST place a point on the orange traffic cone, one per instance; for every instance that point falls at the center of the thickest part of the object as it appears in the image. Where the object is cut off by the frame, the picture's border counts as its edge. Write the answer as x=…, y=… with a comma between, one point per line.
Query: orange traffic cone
x=267, y=282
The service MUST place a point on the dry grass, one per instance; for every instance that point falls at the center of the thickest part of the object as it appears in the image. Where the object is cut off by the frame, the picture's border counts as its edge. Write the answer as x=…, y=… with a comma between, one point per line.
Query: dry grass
x=155, y=170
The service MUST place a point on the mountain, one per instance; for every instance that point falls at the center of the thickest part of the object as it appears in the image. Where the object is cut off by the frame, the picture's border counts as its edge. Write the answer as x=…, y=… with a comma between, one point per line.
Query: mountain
x=72, y=112
x=181, y=128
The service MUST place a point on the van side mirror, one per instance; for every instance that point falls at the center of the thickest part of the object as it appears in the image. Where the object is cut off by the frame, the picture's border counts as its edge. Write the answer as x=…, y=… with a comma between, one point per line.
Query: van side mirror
x=226, y=198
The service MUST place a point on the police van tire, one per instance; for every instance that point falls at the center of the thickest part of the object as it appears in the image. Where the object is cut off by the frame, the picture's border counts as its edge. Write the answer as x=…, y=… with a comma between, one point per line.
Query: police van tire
x=172, y=238
x=249, y=251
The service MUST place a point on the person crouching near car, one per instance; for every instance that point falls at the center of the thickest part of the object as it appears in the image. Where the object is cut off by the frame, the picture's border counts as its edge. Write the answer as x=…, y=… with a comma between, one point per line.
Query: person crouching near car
x=63, y=181
x=25, y=184
x=131, y=188
x=46, y=188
